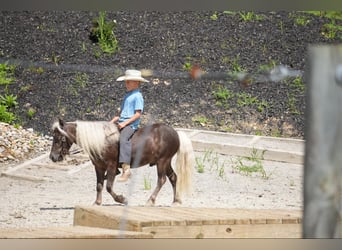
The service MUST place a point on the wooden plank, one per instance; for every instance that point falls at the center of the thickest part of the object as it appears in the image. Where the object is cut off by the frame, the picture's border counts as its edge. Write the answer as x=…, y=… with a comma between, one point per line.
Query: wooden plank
x=77, y=232
x=25, y=177
x=227, y=231
x=192, y=222
x=27, y=163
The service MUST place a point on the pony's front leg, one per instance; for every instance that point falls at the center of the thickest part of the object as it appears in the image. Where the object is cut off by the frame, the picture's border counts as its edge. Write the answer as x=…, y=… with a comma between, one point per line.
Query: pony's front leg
x=100, y=175
x=111, y=172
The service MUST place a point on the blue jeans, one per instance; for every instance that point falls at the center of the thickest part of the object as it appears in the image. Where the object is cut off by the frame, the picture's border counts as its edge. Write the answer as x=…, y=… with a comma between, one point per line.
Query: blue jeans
x=125, y=145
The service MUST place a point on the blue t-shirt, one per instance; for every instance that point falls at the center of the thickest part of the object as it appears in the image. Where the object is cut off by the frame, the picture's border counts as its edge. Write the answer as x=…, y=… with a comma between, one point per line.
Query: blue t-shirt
x=132, y=101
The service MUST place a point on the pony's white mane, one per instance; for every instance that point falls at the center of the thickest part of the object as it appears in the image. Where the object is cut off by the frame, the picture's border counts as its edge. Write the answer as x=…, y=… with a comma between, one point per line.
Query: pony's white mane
x=94, y=136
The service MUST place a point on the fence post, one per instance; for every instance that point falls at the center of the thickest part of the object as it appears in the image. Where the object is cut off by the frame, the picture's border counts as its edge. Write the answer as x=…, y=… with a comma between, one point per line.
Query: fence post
x=323, y=148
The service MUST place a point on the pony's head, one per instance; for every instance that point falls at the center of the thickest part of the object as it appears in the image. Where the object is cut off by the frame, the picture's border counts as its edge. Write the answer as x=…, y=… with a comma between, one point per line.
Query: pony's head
x=62, y=141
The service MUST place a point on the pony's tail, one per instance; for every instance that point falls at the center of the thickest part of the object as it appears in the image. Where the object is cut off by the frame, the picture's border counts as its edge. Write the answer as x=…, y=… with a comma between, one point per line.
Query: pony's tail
x=185, y=163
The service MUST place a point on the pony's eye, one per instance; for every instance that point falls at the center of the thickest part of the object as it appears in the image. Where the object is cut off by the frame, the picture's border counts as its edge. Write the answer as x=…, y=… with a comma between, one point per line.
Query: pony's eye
x=63, y=139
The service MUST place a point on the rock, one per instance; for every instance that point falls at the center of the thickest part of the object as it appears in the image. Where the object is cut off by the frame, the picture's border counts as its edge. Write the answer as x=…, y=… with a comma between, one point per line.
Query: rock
x=18, y=144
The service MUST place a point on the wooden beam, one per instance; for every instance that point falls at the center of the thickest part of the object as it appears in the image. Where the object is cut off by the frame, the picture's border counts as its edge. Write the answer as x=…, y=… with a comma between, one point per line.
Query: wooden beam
x=323, y=157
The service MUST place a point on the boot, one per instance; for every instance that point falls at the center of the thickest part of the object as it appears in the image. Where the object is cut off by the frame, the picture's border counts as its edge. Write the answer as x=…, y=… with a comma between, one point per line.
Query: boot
x=126, y=172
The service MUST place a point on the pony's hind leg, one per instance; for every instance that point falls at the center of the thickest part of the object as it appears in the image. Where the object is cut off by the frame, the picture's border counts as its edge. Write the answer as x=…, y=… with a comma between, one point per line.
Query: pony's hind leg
x=161, y=165
x=111, y=172
x=171, y=175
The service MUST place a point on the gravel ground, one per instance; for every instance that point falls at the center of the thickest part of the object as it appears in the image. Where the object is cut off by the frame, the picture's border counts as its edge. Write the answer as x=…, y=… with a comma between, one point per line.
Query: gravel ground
x=165, y=42
x=51, y=202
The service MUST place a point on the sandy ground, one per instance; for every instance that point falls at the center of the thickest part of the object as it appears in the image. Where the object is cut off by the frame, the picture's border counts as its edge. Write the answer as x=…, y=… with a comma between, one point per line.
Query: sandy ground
x=59, y=187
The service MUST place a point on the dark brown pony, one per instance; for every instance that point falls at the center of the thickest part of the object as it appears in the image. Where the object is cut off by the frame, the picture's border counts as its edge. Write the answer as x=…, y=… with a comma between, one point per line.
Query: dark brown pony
x=154, y=144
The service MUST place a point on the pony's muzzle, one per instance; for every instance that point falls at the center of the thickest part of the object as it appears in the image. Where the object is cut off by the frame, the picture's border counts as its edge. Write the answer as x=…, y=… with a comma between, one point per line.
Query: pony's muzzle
x=56, y=157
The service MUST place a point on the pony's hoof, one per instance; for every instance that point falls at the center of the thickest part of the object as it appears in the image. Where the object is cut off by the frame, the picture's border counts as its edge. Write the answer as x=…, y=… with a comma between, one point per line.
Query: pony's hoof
x=121, y=199
x=176, y=204
x=96, y=203
x=149, y=203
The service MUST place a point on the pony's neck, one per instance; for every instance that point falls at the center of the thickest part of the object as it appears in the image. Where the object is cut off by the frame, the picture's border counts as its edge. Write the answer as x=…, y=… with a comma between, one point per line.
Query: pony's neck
x=70, y=129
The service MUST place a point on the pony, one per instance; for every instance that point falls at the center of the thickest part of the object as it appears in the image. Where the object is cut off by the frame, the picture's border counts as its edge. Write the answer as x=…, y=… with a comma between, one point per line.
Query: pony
x=154, y=144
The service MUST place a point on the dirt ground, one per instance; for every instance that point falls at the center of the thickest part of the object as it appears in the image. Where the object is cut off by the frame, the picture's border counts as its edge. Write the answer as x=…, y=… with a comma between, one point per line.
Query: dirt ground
x=46, y=193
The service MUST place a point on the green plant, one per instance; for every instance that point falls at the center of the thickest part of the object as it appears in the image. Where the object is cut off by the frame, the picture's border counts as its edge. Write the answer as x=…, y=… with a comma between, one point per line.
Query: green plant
x=302, y=20
x=31, y=112
x=214, y=16
x=102, y=32
x=250, y=16
x=267, y=67
x=9, y=100
x=332, y=29
x=245, y=99
x=147, y=183
x=292, y=105
x=5, y=115
x=222, y=93
x=84, y=48
x=56, y=59
x=81, y=79
x=235, y=65
x=199, y=165
x=298, y=84
x=210, y=158
x=202, y=120
x=6, y=75
x=275, y=132
x=249, y=165
x=187, y=64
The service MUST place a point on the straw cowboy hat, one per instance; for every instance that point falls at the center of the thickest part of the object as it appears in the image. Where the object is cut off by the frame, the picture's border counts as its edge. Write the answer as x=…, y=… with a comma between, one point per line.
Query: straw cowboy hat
x=132, y=74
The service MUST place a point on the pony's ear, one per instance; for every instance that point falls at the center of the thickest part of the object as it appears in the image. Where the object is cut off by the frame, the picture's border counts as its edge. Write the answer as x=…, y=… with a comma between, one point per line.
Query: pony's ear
x=61, y=122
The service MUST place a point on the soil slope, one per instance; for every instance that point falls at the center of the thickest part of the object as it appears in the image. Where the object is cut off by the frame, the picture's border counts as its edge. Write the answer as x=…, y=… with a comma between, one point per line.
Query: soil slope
x=62, y=72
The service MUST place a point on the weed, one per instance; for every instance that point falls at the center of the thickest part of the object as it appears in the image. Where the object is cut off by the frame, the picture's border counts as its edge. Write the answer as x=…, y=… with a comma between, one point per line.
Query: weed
x=298, y=84
x=37, y=70
x=84, y=48
x=81, y=79
x=275, y=132
x=26, y=88
x=187, y=64
x=6, y=75
x=262, y=105
x=250, y=16
x=223, y=94
x=9, y=100
x=102, y=33
x=147, y=183
x=249, y=165
x=267, y=67
x=227, y=12
x=292, y=105
x=31, y=112
x=200, y=119
x=245, y=99
x=302, y=20
x=330, y=30
x=235, y=65
x=214, y=16
x=199, y=165
x=5, y=115
x=211, y=159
